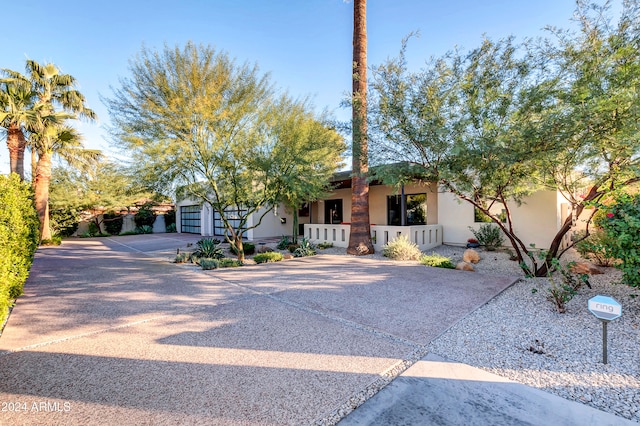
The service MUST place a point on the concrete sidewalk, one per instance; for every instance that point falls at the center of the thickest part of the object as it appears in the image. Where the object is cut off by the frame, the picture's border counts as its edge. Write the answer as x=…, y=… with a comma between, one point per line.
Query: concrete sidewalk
x=109, y=332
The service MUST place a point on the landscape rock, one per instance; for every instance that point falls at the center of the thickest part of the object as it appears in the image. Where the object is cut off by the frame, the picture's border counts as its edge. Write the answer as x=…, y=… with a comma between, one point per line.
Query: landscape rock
x=471, y=256
x=464, y=266
x=586, y=268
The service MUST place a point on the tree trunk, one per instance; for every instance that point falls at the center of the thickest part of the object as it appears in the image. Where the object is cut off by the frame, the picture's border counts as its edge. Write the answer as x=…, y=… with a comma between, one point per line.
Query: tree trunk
x=16, y=143
x=41, y=181
x=360, y=234
x=34, y=166
x=295, y=225
x=239, y=246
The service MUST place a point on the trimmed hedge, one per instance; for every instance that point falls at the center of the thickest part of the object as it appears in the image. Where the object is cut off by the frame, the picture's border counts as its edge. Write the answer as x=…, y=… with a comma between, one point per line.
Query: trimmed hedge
x=18, y=239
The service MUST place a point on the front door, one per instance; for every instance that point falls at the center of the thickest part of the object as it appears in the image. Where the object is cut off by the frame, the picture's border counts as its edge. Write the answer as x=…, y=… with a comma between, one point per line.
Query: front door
x=333, y=211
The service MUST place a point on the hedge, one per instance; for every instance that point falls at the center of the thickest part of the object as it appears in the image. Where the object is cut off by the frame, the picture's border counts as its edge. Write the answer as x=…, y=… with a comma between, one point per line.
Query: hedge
x=18, y=239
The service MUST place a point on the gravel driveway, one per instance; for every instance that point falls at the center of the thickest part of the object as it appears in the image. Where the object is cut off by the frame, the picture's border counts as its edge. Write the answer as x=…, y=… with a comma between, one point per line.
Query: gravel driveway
x=110, y=332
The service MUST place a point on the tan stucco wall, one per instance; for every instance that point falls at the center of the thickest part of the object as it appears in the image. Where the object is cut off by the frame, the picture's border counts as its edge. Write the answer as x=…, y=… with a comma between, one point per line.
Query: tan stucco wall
x=271, y=225
x=378, y=203
x=535, y=221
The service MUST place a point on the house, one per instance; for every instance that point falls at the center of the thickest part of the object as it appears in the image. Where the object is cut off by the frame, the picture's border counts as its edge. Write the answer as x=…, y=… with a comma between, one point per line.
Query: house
x=424, y=213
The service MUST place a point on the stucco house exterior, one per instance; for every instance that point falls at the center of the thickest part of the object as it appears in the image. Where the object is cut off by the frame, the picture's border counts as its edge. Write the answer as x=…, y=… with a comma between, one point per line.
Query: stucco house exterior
x=424, y=213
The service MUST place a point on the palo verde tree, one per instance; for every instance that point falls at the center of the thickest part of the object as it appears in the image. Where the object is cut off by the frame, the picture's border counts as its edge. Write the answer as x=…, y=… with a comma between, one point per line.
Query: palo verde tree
x=457, y=122
x=593, y=119
x=194, y=120
x=503, y=121
x=305, y=154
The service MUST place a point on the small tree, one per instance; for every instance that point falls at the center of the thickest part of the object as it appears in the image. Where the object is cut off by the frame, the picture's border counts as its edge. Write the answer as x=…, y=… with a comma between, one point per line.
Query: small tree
x=307, y=154
x=194, y=121
x=505, y=120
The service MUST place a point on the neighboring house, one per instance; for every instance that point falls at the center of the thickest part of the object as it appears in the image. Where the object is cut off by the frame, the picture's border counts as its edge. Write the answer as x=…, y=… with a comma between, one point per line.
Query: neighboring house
x=431, y=217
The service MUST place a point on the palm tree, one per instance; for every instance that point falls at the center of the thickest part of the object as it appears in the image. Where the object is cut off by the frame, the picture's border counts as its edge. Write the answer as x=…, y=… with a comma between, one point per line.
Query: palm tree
x=360, y=234
x=16, y=115
x=66, y=142
x=49, y=134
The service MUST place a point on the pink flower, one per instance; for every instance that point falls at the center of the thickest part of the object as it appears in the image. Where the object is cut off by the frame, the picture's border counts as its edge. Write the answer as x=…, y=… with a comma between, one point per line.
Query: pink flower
x=610, y=215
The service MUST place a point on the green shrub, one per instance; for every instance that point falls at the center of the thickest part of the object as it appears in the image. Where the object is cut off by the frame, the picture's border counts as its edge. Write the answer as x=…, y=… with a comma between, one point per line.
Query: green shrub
x=563, y=289
x=171, y=228
x=304, y=249
x=247, y=247
x=145, y=216
x=55, y=240
x=18, y=239
x=170, y=218
x=622, y=226
x=292, y=247
x=284, y=242
x=208, y=264
x=488, y=235
x=93, y=229
x=113, y=223
x=144, y=229
x=594, y=248
x=437, y=261
x=181, y=257
x=272, y=256
x=325, y=245
x=64, y=221
x=229, y=263
x=210, y=248
x=400, y=248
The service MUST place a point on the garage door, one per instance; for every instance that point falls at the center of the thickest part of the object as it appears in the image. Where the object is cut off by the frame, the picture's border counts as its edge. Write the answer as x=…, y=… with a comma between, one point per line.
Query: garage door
x=190, y=219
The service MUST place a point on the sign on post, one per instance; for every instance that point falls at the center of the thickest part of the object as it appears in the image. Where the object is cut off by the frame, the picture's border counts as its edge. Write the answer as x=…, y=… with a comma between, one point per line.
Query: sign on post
x=606, y=309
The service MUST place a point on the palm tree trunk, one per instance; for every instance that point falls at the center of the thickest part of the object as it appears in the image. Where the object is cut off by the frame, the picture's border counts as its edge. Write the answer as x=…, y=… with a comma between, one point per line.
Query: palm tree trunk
x=16, y=143
x=34, y=166
x=360, y=233
x=42, y=180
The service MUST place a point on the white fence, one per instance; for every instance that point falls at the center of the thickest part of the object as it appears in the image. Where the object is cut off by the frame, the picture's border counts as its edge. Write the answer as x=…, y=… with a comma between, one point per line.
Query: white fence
x=425, y=236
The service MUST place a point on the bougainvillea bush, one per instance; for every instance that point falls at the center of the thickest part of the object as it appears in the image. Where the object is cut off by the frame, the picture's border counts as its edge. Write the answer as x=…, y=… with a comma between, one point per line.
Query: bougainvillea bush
x=622, y=225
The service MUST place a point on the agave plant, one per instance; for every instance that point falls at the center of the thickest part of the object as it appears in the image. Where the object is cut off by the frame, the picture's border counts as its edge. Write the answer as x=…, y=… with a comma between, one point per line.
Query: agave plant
x=209, y=248
x=304, y=249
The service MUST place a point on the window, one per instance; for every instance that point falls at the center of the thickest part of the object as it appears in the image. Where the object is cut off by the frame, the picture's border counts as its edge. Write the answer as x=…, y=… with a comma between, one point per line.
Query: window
x=233, y=217
x=190, y=219
x=333, y=211
x=416, y=209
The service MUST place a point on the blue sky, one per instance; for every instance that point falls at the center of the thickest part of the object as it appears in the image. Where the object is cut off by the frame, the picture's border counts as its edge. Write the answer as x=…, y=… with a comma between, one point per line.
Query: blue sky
x=304, y=44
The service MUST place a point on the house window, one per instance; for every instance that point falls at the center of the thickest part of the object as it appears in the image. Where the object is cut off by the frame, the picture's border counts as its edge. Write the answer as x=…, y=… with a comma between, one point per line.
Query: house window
x=233, y=217
x=333, y=211
x=190, y=219
x=416, y=209
x=498, y=209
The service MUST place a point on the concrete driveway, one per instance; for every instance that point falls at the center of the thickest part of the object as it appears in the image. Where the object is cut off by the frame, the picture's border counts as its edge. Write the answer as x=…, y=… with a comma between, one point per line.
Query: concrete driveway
x=110, y=332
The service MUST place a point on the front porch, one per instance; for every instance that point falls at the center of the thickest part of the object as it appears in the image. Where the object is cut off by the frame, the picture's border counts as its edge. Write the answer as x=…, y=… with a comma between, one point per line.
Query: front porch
x=425, y=236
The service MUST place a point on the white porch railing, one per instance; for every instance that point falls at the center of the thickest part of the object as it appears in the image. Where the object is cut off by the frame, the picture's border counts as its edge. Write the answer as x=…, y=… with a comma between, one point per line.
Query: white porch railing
x=425, y=236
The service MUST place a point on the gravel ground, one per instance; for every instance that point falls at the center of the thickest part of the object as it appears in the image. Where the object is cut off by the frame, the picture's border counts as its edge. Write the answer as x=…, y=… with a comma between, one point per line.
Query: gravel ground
x=520, y=335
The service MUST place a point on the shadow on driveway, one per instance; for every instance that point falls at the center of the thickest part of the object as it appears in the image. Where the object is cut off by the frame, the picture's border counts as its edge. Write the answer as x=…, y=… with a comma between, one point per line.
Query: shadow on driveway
x=113, y=333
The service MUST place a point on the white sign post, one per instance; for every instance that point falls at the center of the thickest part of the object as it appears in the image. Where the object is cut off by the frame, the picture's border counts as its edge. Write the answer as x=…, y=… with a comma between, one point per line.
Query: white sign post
x=606, y=309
